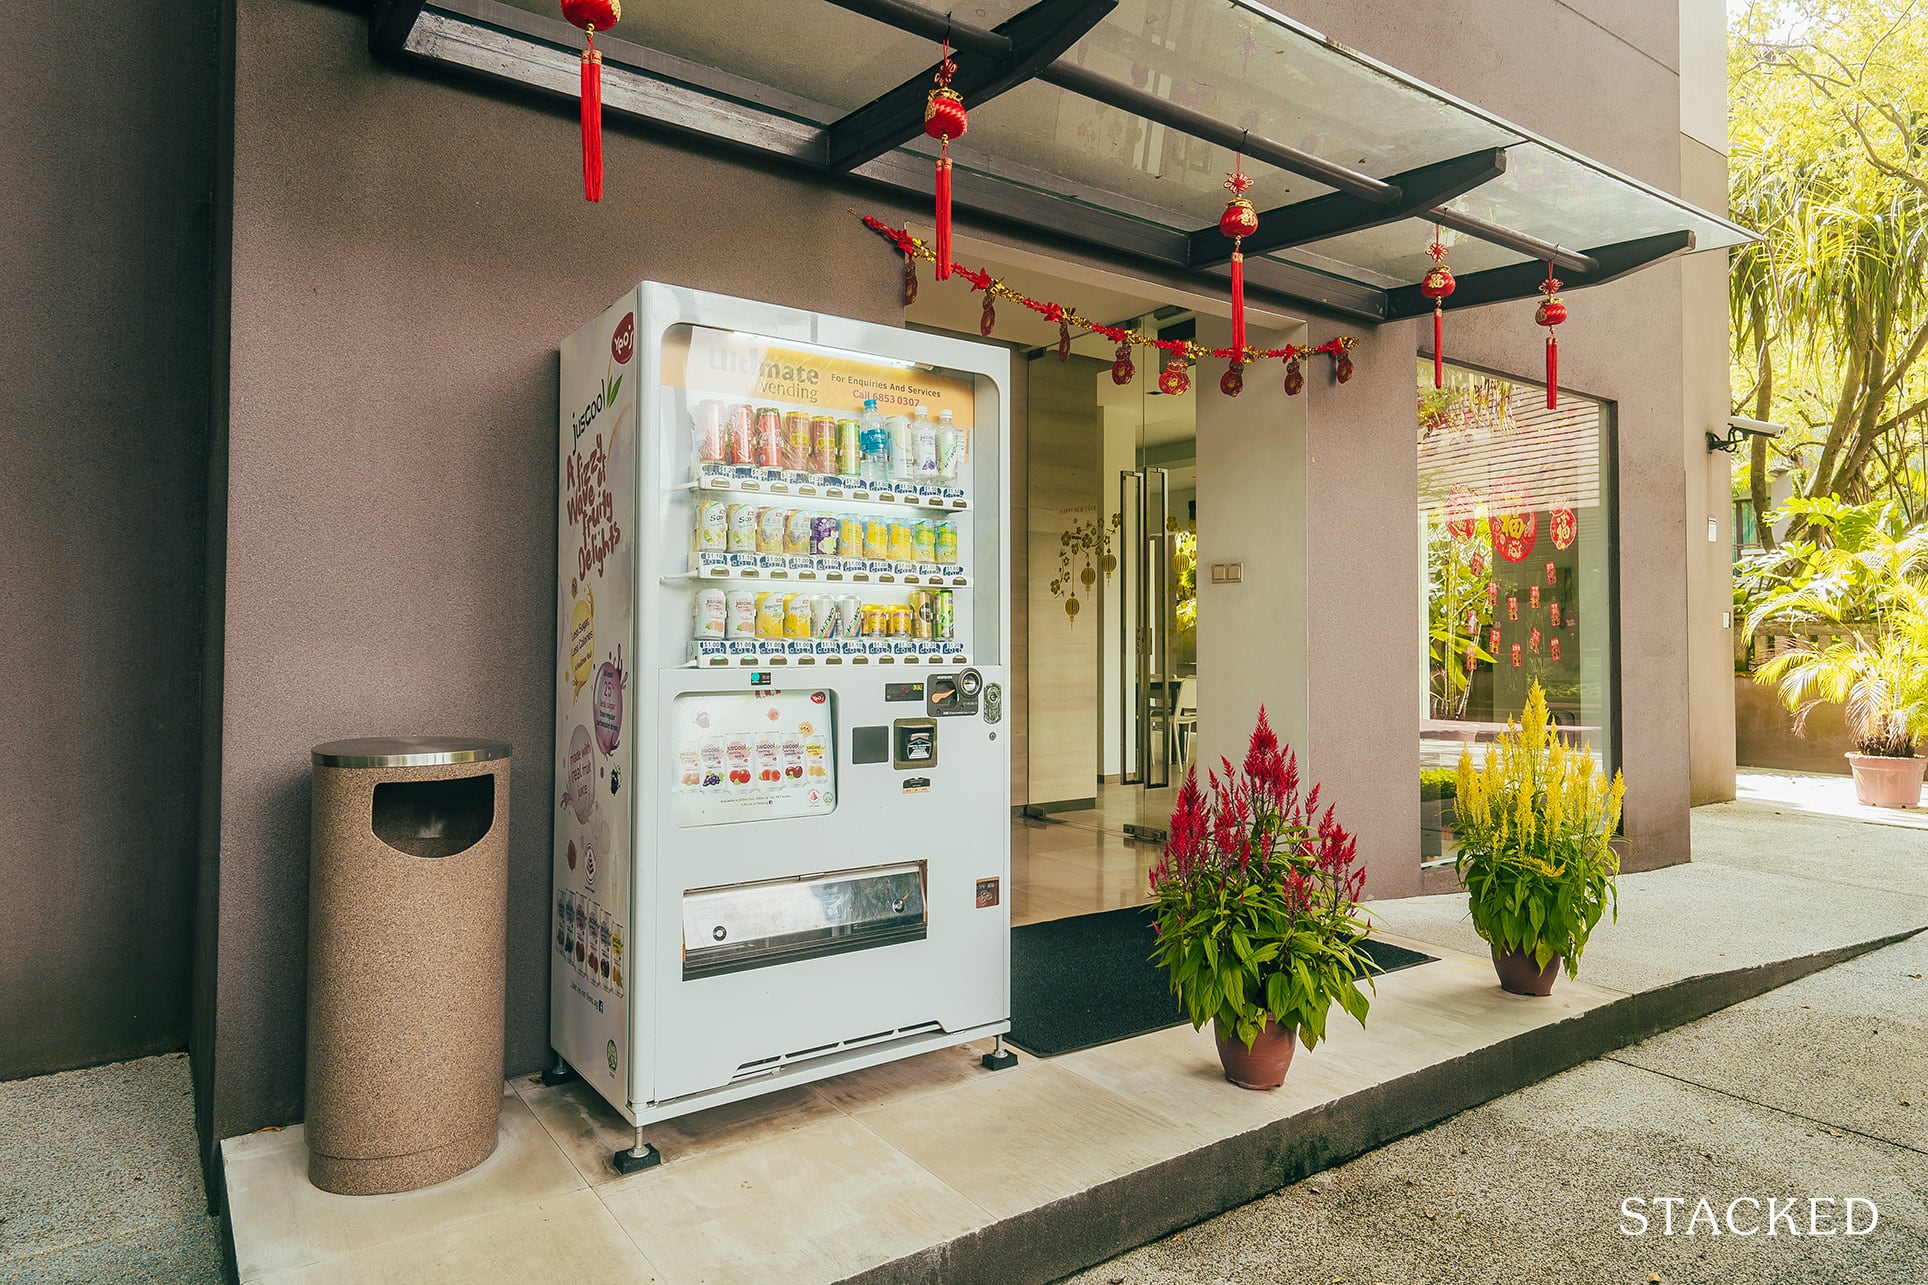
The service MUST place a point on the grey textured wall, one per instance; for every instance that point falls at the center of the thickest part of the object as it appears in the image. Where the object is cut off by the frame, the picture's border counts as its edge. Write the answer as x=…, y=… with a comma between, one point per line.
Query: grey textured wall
x=108, y=158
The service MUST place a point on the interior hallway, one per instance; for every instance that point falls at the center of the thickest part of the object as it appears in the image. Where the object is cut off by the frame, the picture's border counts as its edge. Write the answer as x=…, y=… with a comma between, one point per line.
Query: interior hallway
x=1079, y=863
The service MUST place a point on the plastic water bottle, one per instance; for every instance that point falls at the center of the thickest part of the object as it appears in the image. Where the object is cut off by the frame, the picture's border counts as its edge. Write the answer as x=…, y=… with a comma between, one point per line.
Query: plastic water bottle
x=923, y=447
x=873, y=439
x=950, y=447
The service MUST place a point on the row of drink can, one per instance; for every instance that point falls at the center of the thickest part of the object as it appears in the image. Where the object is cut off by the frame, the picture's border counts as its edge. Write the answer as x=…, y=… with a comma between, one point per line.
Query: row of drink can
x=874, y=448
x=723, y=527
x=586, y=939
x=739, y=614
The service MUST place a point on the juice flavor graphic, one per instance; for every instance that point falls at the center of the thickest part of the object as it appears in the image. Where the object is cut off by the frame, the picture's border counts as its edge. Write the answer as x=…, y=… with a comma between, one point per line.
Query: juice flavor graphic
x=602, y=940
x=769, y=615
x=769, y=760
x=737, y=758
x=791, y=748
x=711, y=762
x=582, y=942
x=815, y=766
x=799, y=618
x=689, y=767
x=712, y=526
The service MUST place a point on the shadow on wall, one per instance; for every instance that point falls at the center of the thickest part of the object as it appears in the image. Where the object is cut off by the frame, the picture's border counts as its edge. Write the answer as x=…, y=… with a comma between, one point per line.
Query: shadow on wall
x=1764, y=733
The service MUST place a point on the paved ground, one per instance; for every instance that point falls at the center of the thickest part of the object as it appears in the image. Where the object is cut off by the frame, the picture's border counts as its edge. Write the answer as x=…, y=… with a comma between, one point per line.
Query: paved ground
x=1819, y=1089
x=99, y=1180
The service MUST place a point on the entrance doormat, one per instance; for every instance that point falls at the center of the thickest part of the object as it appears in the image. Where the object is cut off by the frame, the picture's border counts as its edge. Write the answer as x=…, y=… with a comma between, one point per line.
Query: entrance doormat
x=1088, y=980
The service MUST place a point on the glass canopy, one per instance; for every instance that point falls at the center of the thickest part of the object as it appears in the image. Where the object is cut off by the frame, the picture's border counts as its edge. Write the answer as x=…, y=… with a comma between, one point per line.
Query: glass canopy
x=1125, y=126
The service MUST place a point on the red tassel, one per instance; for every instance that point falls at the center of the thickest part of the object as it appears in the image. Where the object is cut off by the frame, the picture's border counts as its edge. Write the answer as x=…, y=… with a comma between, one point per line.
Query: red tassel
x=1238, y=302
x=944, y=213
x=592, y=160
x=1439, y=347
x=1552, y=372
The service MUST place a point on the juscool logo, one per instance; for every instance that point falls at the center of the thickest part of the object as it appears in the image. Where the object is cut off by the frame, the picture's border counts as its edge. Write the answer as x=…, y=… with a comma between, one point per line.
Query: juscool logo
x=622, y=344
x=605, y=397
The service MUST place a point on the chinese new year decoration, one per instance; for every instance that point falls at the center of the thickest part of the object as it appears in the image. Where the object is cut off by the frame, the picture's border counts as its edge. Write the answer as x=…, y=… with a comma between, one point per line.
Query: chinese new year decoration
x=1437, y=285
x=1563, y=524
x=945, y=119
x=1550, y=313
x=1083, y=552
x=1180, y=354
x=1239, y=221
x=1512, y=519
x=590, y=15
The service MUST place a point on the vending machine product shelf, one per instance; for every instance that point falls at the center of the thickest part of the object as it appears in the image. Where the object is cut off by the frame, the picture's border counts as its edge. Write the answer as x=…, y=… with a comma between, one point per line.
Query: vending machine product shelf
x=774, y=860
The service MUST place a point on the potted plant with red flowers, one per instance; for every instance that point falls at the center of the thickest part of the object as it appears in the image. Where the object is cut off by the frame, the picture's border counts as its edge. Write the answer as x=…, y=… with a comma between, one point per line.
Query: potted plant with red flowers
x=1256, y=907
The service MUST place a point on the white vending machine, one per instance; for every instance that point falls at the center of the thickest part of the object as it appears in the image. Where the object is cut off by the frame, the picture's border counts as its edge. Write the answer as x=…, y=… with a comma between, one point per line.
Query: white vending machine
x=782, y=765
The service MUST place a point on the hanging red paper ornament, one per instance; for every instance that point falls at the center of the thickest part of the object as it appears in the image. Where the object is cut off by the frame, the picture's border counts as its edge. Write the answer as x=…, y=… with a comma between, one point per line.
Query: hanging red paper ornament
x=1239, y=221
x=987, y=318
x=589, y=15
x=1564, y=524
x=1174, y=379
x=1437, y=285
x=1121, y=369
x=1462, y=507
x=1342, y=366
x=1232, y=382
x=1550, y=313
x=1294, y=377
x=910, y=280
x=1493, y=640
x=1064, y=340
x=945, y=119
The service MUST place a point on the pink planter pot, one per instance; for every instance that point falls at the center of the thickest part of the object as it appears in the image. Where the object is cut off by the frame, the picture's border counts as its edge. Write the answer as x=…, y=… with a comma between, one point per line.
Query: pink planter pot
x=1521, y=976
x=1883, y=782
x=1262, y=1066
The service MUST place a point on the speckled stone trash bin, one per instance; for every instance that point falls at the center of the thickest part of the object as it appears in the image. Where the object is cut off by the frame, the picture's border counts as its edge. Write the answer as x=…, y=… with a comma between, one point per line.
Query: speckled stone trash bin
x=408, y=893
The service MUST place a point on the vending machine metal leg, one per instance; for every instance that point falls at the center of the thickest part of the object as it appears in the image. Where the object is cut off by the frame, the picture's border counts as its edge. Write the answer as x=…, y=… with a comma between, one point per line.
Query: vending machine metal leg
x=999, y=1058
x=639, y=1157
x=560, y=1073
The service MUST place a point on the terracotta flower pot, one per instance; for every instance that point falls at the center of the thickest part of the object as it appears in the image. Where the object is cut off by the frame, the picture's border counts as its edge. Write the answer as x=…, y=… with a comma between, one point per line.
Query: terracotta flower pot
x=1884, y=782
x=1262, y=1066
x=1520, y=975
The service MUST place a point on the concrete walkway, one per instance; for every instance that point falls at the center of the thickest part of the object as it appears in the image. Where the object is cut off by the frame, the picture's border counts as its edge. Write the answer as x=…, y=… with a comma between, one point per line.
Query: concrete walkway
x=1816, y=1090
x=100, y=1181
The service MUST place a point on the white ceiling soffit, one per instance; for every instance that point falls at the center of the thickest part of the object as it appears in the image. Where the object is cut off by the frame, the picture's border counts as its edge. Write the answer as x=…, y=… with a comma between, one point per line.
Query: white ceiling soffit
x=1112, y=124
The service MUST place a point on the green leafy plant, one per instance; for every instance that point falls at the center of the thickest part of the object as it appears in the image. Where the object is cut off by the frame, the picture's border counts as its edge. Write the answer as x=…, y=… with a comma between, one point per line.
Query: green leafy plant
x=1438, y=782
x=1536, y=823
x=1256, y=901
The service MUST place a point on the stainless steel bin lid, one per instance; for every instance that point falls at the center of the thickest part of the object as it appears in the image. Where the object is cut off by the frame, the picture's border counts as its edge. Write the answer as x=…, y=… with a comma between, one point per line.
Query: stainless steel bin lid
x=408, y=751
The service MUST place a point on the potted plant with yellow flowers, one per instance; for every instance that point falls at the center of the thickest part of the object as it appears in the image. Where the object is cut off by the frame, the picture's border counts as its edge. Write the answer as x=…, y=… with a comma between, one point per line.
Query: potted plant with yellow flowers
x=1535, y=828
x=1256, y=907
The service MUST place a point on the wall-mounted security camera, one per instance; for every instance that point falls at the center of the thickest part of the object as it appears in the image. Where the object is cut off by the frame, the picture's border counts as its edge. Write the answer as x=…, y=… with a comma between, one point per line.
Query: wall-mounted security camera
x=1740, y=429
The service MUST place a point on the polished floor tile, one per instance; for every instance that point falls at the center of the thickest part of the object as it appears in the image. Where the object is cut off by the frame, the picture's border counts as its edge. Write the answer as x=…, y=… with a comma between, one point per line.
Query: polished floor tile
x=815, y=1204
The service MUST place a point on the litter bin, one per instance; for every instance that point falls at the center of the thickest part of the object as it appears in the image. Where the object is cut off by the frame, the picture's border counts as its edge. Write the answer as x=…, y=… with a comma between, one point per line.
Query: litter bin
x=407, y=900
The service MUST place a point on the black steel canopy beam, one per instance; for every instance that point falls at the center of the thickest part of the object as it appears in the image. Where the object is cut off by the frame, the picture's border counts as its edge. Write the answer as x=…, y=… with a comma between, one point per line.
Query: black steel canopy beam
x=389, y=23
x=906, y=15
x=1518, y=242
x=1037, y=36
x=1522, y=280
x=1337, y=213
x=1112, y=93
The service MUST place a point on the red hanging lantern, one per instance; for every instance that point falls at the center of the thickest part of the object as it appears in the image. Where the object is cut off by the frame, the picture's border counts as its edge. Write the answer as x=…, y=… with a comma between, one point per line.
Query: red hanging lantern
x=1294, y=377
x=1232, y=382
x=1121, y=368
x=589, y=15
x=945, y=119
x=1550, y=313
x=1239, y=221
x=1437, y=285
x=1174, y=379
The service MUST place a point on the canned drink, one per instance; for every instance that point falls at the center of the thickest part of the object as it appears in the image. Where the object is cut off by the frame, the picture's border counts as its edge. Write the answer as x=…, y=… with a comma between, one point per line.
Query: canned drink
x=740, y=430
x=823, y=444
x=769, y=437
x=850, y=612
x=796, y=441
x=924, y=541
x=946, y=542
x=711, y=436
x=826, y=534
x=769, y=615
x=740, y=609
x=946, y=615
x=712, y=526
x=709, y=612
x=900, y=617
x=796, y=535
x=799, y=616
x=923, y=614
x=850, y=536
x=743, y=521
x=875, y=621
x=850, y=452
x=772, y=524
x=876, y=536
x=824, y=610
x=903, y=543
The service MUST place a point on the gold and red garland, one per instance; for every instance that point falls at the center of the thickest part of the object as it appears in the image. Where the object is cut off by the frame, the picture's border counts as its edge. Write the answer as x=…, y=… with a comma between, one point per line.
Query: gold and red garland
x=589, y=15
x=1180, y=354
